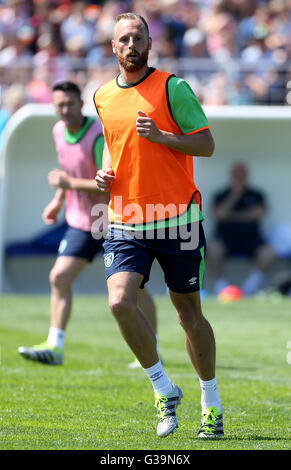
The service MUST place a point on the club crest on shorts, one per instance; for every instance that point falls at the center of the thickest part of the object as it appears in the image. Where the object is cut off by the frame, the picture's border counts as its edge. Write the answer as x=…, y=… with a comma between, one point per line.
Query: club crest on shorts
x=63, y=245
x=108, y=259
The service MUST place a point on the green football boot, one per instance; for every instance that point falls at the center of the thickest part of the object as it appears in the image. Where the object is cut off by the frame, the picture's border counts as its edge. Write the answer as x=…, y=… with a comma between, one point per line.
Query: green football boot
x=43, y=353
x=211, y=424
x=167, y=419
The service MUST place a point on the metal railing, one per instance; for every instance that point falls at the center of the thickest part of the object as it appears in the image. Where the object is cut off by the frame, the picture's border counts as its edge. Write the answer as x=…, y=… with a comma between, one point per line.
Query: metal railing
x=239, y=81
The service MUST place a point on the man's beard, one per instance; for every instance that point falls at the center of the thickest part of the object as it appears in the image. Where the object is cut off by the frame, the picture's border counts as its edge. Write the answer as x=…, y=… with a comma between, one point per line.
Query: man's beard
x=138, y=64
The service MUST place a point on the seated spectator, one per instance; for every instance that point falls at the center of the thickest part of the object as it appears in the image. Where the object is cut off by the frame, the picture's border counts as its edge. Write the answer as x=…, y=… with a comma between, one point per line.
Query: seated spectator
x=238, y=211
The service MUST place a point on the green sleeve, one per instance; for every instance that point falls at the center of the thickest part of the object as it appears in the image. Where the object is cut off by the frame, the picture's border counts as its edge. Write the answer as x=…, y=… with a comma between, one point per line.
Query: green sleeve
x=98, y=150
x=185, y=107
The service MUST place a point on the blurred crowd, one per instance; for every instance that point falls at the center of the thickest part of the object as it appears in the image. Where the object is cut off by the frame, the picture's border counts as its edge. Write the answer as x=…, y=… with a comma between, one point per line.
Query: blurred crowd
x=231, y=51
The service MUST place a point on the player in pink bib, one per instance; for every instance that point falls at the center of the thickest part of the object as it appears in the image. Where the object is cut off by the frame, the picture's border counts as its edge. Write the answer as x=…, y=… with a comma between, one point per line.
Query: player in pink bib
x=79, y=143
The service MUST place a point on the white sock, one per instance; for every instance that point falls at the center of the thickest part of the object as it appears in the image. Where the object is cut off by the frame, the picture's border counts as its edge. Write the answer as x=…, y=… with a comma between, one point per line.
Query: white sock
x=56, y=337
x=159, y=379
x=209, y=396
x=253, y=282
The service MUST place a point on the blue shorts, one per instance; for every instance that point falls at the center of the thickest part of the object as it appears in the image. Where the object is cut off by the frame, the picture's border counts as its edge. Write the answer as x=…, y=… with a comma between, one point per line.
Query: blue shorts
x=183, y=268
x=79, y=244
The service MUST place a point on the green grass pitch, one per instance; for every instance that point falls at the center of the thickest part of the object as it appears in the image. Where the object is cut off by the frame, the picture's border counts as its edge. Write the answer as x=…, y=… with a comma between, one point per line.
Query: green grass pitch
x=94, y=401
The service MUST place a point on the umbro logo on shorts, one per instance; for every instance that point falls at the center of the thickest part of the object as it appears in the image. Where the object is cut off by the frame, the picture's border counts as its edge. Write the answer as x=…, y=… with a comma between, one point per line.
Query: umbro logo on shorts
x=192, y=281
x=108, y=259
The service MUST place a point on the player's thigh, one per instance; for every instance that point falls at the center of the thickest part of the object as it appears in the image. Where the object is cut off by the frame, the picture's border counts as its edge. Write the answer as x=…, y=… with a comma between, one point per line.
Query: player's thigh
x=123, y=287
x=183, y=274
x=145, y=300
x=66, y=269
x=123, y=255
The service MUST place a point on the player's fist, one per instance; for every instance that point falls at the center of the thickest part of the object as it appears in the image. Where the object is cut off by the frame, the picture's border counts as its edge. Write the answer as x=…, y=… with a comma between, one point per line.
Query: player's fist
x=59, y=179
x=146, y=127
x=104, y=179
x=50, y=212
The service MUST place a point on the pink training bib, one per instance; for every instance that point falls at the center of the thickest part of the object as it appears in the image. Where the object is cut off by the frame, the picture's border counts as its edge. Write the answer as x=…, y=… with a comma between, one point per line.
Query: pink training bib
x=79, y=162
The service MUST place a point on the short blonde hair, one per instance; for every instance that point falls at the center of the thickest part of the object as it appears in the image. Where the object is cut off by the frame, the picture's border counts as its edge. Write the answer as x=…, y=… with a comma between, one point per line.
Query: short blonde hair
x=132, y=16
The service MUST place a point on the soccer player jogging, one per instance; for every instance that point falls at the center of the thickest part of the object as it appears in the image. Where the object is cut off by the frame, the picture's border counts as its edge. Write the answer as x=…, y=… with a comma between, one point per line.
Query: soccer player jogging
x=153, y=124
x=79, y=143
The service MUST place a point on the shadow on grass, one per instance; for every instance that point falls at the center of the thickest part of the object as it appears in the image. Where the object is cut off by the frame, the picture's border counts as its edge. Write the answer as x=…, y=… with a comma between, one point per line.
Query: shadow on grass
x=169, y=363
x=247, y=438
x=237, y=367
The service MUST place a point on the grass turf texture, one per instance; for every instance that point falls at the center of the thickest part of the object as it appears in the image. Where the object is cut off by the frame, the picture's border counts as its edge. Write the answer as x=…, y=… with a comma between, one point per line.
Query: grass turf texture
x=94, y=401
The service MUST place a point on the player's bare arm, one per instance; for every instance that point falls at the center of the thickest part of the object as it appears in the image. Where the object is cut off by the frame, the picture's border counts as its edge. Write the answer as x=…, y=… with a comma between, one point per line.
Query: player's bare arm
x=105, y=177
x=199, y=144
x=60, y=179
x=50, y=212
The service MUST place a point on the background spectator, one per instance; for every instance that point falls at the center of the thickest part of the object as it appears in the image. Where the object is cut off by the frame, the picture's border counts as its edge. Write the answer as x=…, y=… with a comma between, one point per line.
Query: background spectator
x=14, y=97
x=238, y=211
x=242, y=47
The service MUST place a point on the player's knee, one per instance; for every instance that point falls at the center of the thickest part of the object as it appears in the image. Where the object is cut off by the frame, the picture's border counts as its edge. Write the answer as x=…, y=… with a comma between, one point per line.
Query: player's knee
x=189, y=317
x=58, y=279
x=120, y=305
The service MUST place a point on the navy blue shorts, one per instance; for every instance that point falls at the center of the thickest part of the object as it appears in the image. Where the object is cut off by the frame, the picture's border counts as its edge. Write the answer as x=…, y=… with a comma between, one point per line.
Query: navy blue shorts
x=79, y=244
x=183, y=267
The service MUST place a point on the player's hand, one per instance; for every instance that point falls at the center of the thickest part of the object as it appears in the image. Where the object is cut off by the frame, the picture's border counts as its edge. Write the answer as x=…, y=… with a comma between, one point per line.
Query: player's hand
x=50, y=212
x=104, y=179
x=59, y=179
x=146, y=127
